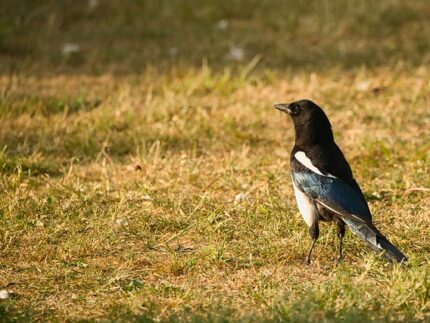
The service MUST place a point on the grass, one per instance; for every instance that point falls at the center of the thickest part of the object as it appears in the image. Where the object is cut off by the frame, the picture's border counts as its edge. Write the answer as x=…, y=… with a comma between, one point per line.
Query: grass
x=141, y=183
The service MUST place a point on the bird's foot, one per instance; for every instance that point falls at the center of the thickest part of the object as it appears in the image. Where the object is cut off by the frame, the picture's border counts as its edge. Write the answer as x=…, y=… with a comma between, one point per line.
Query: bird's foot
x=307, y=261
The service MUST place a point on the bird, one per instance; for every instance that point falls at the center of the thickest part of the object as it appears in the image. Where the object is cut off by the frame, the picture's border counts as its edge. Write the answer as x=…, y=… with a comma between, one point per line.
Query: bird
x=324, y=185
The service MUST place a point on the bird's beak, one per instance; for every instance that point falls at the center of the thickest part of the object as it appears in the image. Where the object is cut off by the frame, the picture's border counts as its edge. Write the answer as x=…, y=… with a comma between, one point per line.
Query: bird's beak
x=284, y=107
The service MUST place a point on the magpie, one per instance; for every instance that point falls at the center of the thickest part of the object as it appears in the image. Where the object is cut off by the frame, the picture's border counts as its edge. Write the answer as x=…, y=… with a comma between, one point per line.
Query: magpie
x=323, y=183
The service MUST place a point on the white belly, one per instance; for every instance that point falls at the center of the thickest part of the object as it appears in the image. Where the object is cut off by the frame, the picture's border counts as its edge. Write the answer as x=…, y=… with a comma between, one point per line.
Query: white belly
x=306, y=207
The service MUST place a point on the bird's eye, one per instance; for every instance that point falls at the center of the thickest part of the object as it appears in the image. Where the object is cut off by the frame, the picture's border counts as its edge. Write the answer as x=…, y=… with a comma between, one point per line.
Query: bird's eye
x=296, y=110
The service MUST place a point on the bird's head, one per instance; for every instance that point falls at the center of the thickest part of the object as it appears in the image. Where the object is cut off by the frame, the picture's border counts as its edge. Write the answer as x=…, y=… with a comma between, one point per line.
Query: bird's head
x=310, y=122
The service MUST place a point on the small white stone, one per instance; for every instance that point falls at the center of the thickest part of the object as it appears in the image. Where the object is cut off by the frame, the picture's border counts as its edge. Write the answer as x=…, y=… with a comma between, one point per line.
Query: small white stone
x=173, y=51
x=363, y=86
x=146, y=197
x=40, y=224
x=240, y=197
x=70, y=48
x=5, y=294
x=122, y=222
x=222, y=24
x=93, y=3
x=236, y=53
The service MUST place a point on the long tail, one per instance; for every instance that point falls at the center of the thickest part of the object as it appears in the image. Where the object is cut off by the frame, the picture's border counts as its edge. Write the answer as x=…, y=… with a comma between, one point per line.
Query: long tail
x=375, y=240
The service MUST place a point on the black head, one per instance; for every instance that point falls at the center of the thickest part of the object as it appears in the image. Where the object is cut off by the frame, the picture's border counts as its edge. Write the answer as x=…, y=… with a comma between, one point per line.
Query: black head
x=310, y=122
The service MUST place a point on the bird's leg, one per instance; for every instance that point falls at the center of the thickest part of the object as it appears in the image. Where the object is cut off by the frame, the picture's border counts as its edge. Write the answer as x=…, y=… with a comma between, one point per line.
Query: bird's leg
x=308, y=257
x=340, y=235
x=314, y=232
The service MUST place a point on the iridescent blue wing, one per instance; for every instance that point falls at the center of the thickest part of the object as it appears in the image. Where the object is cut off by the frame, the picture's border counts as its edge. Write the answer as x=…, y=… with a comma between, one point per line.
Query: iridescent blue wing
x=334, y=194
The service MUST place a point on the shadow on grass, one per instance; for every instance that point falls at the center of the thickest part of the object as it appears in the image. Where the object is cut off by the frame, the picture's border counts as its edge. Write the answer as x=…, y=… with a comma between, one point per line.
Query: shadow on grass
x=16, y=104
x=300, y=312
x=9, y=315
x=27, y=166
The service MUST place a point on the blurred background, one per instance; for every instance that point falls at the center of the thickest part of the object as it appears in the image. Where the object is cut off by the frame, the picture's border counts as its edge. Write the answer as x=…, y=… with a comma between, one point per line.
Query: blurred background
x=99, y=36
x=144, y=173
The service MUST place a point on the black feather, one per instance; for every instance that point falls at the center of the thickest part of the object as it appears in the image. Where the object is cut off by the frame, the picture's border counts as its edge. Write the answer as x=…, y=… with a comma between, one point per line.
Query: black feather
x=338, y=197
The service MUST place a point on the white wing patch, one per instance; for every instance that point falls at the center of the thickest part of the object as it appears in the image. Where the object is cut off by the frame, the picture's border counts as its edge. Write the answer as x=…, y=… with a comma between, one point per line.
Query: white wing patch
x=305, y=161
x=306, y=207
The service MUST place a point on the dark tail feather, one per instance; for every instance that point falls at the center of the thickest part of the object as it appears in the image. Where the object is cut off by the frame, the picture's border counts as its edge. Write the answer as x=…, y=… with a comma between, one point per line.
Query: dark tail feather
x=391, y=252
x=375, y=240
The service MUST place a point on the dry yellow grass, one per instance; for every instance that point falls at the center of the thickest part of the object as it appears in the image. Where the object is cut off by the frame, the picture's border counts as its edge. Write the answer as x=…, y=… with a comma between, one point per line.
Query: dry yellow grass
x=158, y=231
x=163, y=193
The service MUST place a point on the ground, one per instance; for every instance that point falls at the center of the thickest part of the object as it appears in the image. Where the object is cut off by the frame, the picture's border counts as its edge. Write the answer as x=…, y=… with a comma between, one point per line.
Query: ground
x=145, y=174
